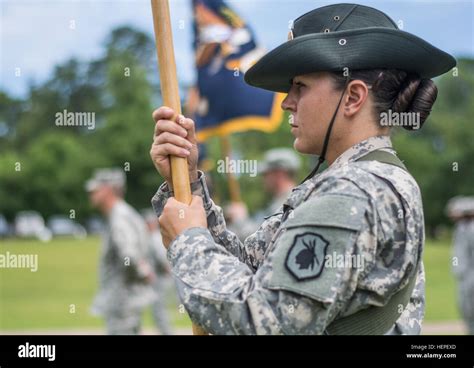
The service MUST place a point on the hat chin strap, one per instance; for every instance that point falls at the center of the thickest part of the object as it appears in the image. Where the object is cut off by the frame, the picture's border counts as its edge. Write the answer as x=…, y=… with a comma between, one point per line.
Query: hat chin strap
x=322, y=157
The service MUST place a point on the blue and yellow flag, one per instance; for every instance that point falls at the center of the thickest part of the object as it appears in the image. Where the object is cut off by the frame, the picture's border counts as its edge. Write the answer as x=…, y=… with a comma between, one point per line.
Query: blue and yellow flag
x=222, y=103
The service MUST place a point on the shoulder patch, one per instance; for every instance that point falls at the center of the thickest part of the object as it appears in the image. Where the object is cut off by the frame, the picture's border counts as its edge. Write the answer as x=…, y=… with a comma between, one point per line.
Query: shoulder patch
x=306, y=256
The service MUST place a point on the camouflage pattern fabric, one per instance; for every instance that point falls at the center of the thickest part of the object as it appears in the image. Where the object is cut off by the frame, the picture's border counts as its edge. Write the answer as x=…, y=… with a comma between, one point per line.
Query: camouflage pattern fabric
x=350, y=238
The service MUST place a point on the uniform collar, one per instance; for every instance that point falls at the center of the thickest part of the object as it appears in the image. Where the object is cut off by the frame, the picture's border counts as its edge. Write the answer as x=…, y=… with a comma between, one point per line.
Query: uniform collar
x=352, y=154
x=361, y=149
x=116, y=208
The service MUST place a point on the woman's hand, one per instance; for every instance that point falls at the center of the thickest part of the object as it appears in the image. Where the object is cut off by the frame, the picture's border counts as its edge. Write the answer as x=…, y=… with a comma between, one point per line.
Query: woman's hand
x=177, y=138
x=177, y=217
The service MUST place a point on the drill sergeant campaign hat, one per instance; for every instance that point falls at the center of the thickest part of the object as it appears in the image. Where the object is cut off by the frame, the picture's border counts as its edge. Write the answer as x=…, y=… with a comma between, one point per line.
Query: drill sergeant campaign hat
x=344, y=38
x=350, y=36
x=113, y=177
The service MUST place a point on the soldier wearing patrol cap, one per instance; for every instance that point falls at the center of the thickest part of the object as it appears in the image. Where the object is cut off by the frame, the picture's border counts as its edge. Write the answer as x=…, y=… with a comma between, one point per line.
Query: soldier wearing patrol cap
x=279, y=169
x=124, y=271
x=344, y=255
x=461, y=211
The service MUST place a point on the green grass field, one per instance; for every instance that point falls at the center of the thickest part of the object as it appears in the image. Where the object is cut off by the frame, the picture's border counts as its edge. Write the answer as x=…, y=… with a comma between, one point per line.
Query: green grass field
x=441, y=302
x=66, y=280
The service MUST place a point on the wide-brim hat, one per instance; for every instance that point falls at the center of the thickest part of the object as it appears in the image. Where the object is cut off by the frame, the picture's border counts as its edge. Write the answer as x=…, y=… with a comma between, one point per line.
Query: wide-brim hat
x=346, y=37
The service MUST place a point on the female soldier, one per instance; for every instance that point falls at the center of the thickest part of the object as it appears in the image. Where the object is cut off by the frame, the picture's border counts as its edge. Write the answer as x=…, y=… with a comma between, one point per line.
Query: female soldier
x=344, y=253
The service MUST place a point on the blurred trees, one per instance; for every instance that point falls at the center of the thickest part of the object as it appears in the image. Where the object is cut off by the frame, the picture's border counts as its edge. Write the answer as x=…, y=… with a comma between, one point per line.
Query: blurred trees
x=440, y=156
x=43, y=167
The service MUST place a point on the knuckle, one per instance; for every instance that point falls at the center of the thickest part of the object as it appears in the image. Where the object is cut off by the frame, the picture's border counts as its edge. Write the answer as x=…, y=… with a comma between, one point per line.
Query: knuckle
x=164, y=109
x=174, y=138
x=160, y=141
x=157, y=114
x=164, y=124
x=173, y=150
x=163, y=136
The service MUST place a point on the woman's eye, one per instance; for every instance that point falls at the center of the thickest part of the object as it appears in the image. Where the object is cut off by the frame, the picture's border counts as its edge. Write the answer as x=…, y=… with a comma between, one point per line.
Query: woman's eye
x=300, y=85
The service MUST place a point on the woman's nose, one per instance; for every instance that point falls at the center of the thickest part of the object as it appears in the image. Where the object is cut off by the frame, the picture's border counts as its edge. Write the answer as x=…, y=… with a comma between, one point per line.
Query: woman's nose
x=288, y=103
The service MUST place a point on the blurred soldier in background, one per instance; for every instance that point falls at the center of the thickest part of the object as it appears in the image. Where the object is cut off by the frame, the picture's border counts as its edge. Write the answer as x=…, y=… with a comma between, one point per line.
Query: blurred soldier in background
x=461, y=210
x=162, y=270
x=125, y=276
x=279, y=169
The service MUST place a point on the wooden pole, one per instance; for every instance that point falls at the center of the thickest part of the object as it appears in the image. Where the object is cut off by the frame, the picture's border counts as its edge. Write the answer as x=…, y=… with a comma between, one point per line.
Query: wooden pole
x=170, y=92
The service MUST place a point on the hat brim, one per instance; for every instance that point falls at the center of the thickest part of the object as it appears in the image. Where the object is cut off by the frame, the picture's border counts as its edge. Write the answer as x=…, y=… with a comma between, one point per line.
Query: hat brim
x=91, y=185
x=368, y=48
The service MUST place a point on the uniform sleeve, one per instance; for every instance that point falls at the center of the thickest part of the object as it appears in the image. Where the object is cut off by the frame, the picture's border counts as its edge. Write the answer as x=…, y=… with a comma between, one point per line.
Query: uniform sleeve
x=461, y=251
x=251, y=251
x=301, y=285
x=409, y=322
x=127, y=243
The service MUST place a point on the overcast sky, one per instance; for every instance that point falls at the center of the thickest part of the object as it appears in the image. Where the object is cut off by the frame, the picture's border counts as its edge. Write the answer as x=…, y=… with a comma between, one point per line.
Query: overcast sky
x=36, y=34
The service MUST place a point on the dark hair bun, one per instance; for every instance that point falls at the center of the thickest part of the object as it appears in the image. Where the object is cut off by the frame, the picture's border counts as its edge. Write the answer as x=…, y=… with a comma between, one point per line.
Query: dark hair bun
x=416, y=96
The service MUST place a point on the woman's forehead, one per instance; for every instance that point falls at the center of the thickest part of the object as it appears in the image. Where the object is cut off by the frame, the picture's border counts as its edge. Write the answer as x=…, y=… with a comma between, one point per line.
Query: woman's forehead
x=311, y=76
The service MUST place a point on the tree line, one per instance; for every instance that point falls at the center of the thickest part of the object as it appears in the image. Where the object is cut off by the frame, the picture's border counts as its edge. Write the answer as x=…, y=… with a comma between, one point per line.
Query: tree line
x=44, y=164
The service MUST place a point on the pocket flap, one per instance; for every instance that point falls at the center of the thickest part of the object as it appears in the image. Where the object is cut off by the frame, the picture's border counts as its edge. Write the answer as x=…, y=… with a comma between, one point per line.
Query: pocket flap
x=328, y=211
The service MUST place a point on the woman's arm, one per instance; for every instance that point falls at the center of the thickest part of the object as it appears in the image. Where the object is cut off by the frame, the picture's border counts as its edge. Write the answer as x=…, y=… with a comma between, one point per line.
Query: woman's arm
x=250, y=252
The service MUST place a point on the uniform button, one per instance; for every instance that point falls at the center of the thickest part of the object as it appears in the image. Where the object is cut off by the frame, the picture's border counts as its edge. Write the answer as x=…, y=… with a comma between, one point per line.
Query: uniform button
x=342, y=41
x=336, y=18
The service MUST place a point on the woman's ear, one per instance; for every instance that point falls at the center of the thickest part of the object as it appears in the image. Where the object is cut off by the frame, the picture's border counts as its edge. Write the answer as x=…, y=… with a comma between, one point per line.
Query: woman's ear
x=356, y=95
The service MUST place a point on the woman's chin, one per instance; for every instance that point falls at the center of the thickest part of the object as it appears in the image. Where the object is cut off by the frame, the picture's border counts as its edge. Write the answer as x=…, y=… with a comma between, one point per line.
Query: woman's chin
x=301, y=147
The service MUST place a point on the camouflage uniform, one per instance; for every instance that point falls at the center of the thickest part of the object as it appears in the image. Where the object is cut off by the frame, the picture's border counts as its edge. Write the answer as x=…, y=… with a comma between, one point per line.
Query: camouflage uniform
x=123, y=291
x=464, y=271
x=161, y=267
x=247, y=226
x=365, y=208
